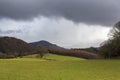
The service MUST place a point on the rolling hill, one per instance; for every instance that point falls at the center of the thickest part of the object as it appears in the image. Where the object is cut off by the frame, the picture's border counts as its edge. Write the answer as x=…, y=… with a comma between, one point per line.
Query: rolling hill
x=14, y=46
x=46, y=44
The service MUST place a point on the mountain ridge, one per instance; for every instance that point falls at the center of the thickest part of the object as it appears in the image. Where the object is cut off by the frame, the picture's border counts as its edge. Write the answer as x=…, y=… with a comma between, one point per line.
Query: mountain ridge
x=45, y=44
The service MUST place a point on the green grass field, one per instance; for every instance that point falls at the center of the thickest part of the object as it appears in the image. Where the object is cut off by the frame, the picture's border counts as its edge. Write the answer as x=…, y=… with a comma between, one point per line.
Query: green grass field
x=58, y=68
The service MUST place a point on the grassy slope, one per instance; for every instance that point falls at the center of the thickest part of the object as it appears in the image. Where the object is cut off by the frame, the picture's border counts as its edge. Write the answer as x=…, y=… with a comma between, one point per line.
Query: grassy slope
x=55, y=57
x=62, y=68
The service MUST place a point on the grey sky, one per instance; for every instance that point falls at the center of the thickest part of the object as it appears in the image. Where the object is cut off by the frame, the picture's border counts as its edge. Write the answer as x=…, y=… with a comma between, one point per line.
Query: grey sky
x=68, y=23
x=102, y=12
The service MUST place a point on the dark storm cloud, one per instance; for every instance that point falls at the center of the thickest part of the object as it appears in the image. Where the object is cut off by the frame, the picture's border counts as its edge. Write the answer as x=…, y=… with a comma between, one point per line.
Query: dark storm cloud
x=102, y=12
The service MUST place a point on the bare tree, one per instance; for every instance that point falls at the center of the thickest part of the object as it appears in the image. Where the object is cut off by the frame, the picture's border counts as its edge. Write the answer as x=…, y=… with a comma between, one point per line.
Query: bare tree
x=110, y=48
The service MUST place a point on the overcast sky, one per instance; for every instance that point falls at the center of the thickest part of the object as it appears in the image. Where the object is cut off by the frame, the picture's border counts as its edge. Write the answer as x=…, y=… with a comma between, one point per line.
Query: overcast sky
x=68, y=23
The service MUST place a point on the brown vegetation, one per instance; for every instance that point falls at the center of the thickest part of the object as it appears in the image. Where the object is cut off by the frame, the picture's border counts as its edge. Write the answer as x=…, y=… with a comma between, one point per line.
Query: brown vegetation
x=75, y=53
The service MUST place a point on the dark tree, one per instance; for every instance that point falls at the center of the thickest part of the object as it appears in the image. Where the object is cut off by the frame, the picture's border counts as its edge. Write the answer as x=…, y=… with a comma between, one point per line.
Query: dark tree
x=111, y=47
x=41, y=51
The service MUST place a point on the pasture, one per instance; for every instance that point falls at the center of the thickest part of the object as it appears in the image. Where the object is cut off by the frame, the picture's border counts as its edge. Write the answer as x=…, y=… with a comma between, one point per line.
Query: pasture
x=58, y=68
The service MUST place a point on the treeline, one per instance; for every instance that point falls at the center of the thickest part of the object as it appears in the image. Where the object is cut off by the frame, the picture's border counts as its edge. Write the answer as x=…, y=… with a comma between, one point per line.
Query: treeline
x=75, y=53
x=91, y=49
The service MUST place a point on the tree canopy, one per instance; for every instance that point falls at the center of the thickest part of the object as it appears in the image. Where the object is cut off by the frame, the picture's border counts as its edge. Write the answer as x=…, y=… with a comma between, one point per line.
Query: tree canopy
x=111, y=47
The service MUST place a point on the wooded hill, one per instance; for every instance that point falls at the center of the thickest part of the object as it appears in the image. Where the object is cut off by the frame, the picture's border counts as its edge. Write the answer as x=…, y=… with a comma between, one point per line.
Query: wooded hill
x=13, y=47
x=46, y=44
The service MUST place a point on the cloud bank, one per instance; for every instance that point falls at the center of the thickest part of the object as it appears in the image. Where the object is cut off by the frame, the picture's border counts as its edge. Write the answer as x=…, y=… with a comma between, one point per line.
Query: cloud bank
x=62, y=32
x=97, y=12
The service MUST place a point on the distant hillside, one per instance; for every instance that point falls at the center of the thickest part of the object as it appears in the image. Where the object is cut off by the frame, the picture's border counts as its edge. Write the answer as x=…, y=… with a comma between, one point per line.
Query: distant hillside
x=54, y=49
x=46, y=44
x=76, y=53
x=91, y=49
x=13, y=46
